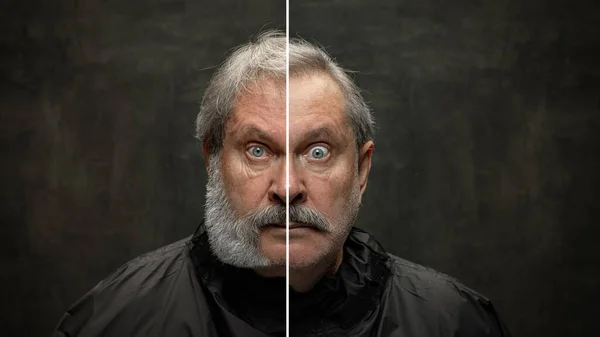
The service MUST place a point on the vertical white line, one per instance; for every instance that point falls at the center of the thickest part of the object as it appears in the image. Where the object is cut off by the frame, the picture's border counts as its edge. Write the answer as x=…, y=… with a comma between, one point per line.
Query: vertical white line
x=287, y=168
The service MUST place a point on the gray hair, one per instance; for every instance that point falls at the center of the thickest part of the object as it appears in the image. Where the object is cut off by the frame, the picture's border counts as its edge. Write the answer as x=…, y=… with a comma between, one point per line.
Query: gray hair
x=265, y=58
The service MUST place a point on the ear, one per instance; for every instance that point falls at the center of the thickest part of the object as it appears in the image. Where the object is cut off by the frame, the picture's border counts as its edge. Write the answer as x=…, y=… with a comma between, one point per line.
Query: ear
x=206, y=153
x=364, y=165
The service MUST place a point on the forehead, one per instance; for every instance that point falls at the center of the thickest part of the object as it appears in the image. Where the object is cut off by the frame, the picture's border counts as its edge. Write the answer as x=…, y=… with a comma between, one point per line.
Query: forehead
x=317, y=108
x=313, y=99
x=315, y=94
x=264, y=97
x=261, y=103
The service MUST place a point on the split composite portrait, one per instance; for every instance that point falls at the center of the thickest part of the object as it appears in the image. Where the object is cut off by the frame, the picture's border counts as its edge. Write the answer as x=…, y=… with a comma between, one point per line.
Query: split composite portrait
x=439, y=170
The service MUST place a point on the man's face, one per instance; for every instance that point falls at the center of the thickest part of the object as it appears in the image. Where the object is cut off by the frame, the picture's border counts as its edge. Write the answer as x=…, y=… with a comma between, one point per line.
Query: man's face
x=325, y=184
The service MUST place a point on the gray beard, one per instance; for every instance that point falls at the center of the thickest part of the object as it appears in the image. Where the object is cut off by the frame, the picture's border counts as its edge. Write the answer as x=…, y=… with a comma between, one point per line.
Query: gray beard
x=234, y=239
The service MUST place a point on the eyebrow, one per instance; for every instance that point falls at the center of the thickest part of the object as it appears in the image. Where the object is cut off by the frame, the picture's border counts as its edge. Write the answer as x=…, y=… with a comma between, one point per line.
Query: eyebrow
x=253, y=131
x=323, y=132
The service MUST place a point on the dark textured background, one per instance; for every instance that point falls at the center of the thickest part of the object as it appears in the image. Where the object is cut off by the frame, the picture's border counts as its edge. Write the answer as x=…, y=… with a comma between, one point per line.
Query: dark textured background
x=486, y=152
x=488, y=147
x=98, y=101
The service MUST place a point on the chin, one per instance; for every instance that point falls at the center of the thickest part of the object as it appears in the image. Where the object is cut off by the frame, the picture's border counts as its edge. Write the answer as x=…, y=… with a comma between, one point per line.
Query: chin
x=273, y=248
x=303, y=256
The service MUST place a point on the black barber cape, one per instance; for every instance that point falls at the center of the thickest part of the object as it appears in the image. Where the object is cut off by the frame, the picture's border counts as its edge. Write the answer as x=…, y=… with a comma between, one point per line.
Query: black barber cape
x=182, y=290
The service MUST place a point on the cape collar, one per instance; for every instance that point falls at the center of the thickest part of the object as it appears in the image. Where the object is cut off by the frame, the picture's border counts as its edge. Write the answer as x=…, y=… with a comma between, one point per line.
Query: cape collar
x=336, y=303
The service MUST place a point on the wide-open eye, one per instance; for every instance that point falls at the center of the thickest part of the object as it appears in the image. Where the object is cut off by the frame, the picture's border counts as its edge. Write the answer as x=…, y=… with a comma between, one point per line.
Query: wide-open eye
x=318, y=152
x=257, y=151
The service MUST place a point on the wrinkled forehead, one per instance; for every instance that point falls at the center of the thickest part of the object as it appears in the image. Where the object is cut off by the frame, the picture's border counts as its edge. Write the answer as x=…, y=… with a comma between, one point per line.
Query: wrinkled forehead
x=316, y=111
x=260, y=105
x=311, y=96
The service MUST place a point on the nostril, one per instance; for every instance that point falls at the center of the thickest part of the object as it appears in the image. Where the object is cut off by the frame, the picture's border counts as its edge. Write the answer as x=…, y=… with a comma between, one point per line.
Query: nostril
x=278, y=199
x=298, y=198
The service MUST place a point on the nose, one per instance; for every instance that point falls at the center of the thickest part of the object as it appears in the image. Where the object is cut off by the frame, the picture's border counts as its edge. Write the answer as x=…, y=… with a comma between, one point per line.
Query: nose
x=297, y=189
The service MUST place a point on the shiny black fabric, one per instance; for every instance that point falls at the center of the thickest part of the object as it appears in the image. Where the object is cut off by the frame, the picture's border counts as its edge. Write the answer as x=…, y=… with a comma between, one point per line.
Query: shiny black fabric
x=181, y=290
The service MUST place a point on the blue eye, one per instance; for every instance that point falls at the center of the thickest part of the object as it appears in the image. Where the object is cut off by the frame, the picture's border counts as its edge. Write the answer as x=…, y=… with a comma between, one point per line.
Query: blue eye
x=318, y=152
x=257, y=151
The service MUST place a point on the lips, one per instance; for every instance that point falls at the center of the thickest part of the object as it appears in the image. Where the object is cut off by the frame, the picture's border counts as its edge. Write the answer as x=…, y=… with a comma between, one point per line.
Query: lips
x=299, y=225
x=293, y=225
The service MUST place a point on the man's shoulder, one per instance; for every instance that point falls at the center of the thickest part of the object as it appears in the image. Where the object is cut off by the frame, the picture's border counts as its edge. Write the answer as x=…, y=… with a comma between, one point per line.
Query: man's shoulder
x=429, y=284
x=147, y=269
x=132, y=291
x=424, y=284
x=436, y=296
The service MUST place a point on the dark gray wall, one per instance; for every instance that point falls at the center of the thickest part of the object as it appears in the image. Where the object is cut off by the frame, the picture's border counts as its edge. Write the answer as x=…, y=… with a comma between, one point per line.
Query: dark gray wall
x=487, y=150
x=97, y=105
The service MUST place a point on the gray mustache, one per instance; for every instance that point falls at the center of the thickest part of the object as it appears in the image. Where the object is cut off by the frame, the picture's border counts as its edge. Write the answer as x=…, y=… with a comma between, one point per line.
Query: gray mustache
x=276, y=215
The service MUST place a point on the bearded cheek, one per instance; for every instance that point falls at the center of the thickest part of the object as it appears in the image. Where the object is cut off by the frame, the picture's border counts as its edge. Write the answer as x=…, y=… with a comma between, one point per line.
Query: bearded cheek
x=239, y=199
x=349, y=208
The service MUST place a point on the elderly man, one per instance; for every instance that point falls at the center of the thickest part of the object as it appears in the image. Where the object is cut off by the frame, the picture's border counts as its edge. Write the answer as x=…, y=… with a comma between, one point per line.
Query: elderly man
x=228, y=279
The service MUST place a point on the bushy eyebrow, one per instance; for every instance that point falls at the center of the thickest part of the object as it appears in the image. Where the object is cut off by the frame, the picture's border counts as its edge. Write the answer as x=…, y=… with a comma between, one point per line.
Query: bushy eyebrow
x=254, y=132
x=323, y=132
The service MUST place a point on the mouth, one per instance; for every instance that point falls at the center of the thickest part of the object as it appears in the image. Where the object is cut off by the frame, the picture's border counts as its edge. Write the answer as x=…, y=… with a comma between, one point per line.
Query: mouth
x=293, y=225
